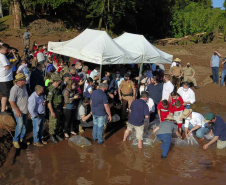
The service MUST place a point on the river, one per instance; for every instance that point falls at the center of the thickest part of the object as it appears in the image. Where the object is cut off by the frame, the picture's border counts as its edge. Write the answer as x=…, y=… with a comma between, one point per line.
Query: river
x=116, y=162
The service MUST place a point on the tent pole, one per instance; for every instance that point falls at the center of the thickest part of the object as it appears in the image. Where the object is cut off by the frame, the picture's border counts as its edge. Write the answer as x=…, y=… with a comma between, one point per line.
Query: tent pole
x=100, y=70
x=46, y=62
x=141, y=68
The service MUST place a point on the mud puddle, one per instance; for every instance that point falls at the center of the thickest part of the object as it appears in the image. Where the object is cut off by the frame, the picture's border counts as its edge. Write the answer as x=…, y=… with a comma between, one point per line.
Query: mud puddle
x=119, y=163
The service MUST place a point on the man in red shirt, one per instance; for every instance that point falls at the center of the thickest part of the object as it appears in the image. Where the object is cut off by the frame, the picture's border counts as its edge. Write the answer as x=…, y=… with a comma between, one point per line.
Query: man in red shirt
x=164, y=109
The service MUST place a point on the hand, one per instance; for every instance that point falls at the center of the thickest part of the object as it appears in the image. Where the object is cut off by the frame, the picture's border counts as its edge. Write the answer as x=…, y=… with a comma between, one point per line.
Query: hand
x=18, y=114
x=179, y=137
x=134, y=98
x=76, y=96
x=109, y=118
x=120, y=98
x=184, y=103
x=44, y=103
x=115, y=93
x=91, y=113
x=53, y=115
x=205, y=146
x=111, y=96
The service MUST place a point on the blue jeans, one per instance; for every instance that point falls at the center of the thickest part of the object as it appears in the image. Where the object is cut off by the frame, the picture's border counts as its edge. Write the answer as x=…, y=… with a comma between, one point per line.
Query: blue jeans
x=199, y=132
x=166, y=143
x=187, y=107
x=21, y=124
x=215, y=71
x=98, y=126
x=223, y=74
x=38, y=126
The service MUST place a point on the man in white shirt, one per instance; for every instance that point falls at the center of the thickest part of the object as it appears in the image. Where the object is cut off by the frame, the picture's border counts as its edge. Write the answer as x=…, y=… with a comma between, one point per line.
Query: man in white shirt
x=187, y=95
x=6, y=76
x=168, y=88
x=194, y=122
x=95, y=74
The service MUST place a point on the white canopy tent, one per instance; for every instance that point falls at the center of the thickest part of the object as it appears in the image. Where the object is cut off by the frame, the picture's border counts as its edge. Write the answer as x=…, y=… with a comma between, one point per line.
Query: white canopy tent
x=93, y=46
x=142, y=49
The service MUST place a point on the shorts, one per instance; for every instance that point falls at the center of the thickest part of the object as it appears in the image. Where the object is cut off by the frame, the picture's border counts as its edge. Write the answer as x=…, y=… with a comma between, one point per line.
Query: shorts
x=179, y=125
x=139, y=130
x=5, y=88
x=41, y=62
x=221, y=144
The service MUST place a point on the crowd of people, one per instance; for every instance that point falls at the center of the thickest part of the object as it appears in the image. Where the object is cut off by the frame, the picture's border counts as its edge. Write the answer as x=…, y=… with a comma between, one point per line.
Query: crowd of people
x=70, y=96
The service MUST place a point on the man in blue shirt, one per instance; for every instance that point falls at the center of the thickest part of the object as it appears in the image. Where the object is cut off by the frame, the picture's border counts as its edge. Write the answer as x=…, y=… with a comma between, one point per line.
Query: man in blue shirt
x=155, y=90
x=36, y=107
x=99, y=108
x=214, y=64
x=219, y=129
x=139, y=111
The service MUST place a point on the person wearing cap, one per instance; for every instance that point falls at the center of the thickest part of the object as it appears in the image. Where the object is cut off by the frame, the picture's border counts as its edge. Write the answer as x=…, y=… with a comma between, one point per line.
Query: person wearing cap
x=187, y=95
x=55, y=105
x=138, y=116
x=18, y=100
x=189, y=74
x=174, y=63
x=194, y=122
x=66, y=77
x=176, y=73
x=214, y=64
x=168, y=88
x=223, y=73
x=127, y=93
x=219, y=129
x=36, y=107
x=164, y=133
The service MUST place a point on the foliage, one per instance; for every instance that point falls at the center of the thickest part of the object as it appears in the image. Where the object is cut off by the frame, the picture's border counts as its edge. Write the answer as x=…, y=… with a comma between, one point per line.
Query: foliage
x=197, y=18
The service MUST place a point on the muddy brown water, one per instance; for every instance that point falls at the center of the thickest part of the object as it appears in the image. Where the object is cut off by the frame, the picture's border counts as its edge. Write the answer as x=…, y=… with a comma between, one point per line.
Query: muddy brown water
x=119, y=163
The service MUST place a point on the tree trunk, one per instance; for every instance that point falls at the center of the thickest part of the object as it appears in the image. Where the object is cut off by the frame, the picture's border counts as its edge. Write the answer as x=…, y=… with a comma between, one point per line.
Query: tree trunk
x=17, y=14
x=1, y=11
x=101, y=16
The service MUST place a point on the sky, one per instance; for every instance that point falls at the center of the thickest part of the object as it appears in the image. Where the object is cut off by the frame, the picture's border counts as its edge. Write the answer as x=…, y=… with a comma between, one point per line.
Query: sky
x=218, y=3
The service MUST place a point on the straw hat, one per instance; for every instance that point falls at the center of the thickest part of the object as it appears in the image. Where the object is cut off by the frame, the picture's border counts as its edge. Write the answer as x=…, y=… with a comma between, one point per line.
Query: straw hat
x=169, y=117
x=186, y=113
x=20, y=77
x=177, y=60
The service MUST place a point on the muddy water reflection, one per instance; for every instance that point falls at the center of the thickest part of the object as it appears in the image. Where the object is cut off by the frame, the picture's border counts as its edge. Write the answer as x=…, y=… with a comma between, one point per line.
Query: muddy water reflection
x=119, y=163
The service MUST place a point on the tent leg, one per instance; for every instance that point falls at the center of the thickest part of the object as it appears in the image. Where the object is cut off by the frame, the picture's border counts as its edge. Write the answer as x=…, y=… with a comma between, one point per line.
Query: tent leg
x=100, y=74
x=141, y=68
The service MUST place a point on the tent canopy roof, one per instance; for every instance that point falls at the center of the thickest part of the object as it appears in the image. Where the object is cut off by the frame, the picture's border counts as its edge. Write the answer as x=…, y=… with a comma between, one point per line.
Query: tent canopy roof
x=93, y=46
x=142, y=49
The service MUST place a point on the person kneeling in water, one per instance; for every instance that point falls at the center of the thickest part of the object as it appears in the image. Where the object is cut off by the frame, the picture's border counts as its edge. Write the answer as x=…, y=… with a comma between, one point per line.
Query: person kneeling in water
x=164, y=134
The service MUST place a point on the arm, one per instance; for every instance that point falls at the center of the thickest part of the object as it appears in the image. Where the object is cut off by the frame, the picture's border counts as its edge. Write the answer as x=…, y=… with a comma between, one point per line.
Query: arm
x=85, y=118
x=193, y=73
x=156, y=129
x=178, y=134
x=8, y=67
x=194, y=128
x=159, y=113
x=219, y=55
x=119, y=93
x=31, y=108
x=211, y=142
x=134, y=93
x=107, y=108
x=53, y=115
x=14, y=106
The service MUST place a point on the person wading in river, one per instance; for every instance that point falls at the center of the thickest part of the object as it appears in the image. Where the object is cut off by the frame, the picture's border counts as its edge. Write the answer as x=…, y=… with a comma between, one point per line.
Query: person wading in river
x=139, y=111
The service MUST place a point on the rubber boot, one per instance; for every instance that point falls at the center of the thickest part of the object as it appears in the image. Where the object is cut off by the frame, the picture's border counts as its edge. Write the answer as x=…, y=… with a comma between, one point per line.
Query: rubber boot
x=53, y=139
